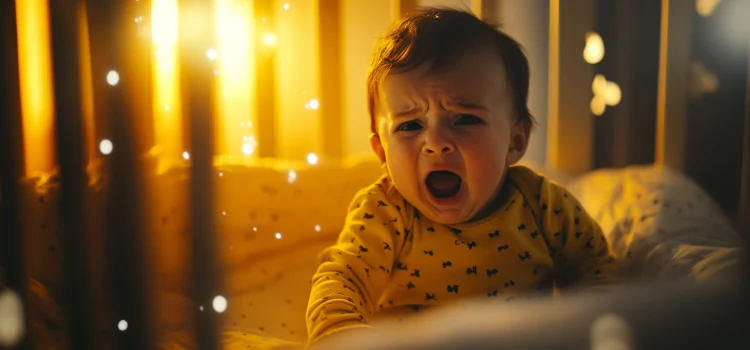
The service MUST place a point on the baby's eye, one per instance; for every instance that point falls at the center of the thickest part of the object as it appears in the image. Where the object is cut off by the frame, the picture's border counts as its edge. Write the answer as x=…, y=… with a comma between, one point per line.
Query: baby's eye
x=468, y=119
x=412, y=125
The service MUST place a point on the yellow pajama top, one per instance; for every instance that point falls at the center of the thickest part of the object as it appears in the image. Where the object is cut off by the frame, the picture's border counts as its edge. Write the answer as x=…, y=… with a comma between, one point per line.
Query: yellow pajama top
x=388, y=257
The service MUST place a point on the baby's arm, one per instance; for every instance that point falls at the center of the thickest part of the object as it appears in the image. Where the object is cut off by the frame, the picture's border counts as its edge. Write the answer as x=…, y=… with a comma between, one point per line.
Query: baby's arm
x=354, y=272
x=580, y=250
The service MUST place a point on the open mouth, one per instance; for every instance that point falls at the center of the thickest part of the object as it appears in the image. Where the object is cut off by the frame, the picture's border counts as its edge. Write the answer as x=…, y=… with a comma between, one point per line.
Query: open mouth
x=443, y=184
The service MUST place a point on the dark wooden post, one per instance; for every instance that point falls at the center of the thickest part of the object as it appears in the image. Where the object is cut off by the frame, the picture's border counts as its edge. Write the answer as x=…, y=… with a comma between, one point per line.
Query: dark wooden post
x=12, y=269
x=744, y=217
x=570, y=124
x=625, y=134
x=122, y=114
x=197, y=35
x=71, y=160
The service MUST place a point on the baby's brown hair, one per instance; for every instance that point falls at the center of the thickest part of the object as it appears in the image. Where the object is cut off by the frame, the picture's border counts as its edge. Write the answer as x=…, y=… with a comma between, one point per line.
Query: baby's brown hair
x=440, y=36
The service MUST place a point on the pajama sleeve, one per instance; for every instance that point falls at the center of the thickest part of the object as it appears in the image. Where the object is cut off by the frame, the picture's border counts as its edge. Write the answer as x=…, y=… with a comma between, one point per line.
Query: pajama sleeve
x=580, y=250
x=354, y=272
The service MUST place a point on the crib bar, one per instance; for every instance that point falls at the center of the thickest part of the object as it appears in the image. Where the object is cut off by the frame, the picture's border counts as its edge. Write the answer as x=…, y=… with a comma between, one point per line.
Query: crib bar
x=196, y=75
x=401, y=7
x=329, y=50
x=70, y=156
x=570, y=125
x=12, y=269
x=265, y=73
x=745, y=179
x=127, y=275
x=674, y=65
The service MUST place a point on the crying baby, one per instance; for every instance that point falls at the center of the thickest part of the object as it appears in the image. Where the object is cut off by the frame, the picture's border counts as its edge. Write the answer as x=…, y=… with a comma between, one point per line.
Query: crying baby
x=453, y=217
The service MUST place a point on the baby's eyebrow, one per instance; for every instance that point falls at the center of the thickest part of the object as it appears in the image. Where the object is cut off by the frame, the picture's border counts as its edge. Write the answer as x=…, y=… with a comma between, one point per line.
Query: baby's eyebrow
x=410, y=113
x=466, y=104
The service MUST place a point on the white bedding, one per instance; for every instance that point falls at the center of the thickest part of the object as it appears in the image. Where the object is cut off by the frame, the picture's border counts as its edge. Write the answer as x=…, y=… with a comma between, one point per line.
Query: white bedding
x=660, y=223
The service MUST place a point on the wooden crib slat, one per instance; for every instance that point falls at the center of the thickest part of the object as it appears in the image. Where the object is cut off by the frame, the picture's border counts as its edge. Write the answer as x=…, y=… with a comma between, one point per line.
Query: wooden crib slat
x=12, y=269
x=570, y=123
x=745, y=179
x=330, y=68
x=265, y=73
x=70, y=155
x=127, y=273
x=674, y=65
x=197, y=33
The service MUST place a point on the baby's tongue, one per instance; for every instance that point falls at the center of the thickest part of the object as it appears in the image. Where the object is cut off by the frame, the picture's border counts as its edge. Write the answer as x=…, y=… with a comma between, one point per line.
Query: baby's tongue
x=443, y=183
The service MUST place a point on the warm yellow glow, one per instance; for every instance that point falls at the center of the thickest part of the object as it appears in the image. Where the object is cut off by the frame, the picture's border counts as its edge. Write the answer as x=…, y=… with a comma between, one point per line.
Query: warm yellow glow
x=598, y=105
x=286, y=6
x=166, y=80
x=186, y=155
x=106, y=146
x=248, y=149
x=298, y=125
x=219, y=304
x=317, y=228
x=599, y=84
x=12, y=320
x=312, y=159
x=313, y=104
x=87, y=83
x=706, y=7
x=606, y=93
x=593, y=52
x=292, y=177
x=35, y=75
x=236, y=85
x=212, y=54
x=278, y=235
x=612, y=94
x=269, y=39
x=113, y=78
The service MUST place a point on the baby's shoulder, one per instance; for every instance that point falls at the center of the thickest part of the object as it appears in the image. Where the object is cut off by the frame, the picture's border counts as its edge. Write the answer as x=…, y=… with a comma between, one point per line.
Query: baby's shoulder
x=382, y=198
x=538, y=189
x=380, y=193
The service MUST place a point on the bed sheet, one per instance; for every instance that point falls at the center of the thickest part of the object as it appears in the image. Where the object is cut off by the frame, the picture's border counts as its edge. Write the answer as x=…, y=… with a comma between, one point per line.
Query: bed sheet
x=660, y=223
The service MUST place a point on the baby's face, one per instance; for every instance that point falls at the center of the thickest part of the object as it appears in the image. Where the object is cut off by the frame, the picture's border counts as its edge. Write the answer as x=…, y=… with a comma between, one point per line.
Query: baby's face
x=448, y=138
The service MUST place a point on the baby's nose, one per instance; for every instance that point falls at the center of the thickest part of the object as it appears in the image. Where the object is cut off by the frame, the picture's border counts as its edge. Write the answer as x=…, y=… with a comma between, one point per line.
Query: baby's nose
x=445, y=149
x=439, y=144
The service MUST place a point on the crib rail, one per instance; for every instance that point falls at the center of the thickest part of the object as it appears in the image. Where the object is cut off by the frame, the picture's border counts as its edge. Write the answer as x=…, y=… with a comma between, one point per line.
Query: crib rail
x=12, y=269
x=72, y=172
x=744, y=216
x=197, y=75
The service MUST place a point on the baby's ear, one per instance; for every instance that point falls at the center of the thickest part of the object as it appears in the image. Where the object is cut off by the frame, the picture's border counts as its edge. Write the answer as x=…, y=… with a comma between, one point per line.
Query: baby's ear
x=377, y=147
x=519, y=142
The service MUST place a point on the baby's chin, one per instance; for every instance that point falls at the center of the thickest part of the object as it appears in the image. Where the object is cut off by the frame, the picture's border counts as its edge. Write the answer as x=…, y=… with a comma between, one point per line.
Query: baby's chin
x=446, y=217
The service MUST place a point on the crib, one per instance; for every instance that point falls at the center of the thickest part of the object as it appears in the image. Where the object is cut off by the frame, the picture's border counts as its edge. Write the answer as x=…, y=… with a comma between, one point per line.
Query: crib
x=135, y=243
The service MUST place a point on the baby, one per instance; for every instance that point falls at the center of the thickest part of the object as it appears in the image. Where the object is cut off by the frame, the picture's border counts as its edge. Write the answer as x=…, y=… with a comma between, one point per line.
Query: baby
x=452, y=217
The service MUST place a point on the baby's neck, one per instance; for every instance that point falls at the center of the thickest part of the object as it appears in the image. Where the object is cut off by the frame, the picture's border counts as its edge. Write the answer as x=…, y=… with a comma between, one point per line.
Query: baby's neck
x=500, y=196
